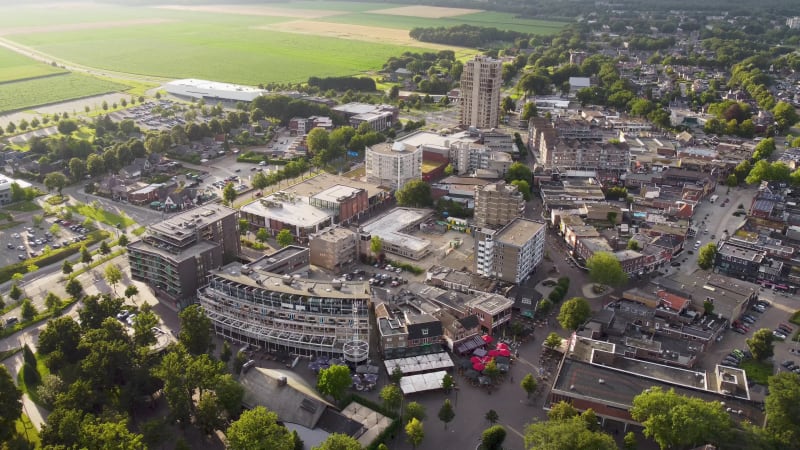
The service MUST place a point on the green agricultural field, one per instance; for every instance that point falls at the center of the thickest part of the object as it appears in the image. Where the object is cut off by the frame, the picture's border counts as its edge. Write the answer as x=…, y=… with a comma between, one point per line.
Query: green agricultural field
x=212, y=51
x=14, y=66
x=249, y=43
x=41, y=91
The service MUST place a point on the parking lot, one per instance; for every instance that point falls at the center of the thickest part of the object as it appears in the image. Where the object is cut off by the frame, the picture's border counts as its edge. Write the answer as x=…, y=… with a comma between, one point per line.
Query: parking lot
x=23, y=241
x=780, y=309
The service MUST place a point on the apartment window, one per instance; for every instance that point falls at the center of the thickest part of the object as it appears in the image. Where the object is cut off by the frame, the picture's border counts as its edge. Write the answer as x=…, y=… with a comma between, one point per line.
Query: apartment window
x=424, y=331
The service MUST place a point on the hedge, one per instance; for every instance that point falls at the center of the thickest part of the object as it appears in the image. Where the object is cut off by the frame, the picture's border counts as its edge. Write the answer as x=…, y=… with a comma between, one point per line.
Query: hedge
x=255, y=158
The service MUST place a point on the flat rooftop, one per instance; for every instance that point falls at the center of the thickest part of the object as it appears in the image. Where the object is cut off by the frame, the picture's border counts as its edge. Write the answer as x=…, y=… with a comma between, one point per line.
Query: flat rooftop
x=392, y=148
x=518, y=232
x=198, y=248
x=295, y=212
x=426, y=138
x=491, y=303
x=186, y=222
x=325, y=181
x=388, y=227
x=728, y=249
x=356, y=108
x=215, y=85
x=302, y=287
x=333, y=234
x=337, y=193
x=606, y=385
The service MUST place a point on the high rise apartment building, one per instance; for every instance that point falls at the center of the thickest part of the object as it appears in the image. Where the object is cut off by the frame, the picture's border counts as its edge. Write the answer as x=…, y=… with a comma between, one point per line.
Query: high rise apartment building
x=392, y=165
x=175, y=255
x=497, y=204
x=512, y=253
x=481, y=82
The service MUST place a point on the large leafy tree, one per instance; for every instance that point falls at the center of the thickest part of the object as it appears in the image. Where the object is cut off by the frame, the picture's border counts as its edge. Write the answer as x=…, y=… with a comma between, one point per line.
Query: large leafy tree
x=61, y=335
x=492, y=438
x=604, y=268
x=258, y=429
x=229, y=193
x=574, y=313
x=143, y=325
x=783, y=408
x=338, y=441
x=334, y=381
x=785, y=116
x=415, y=193
x=392, y=396
x=678, y=421
x=284, y=238
x=97, y=435
x=195, y=332
x=518, y=171
x=55, y=181
x=705, y=258
x=96, y=309
x=10, y=404
x=567, y=434
x=762, y=344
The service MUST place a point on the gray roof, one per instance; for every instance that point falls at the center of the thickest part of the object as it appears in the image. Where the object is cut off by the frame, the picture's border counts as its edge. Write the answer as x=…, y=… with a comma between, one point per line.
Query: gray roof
x=294, y=402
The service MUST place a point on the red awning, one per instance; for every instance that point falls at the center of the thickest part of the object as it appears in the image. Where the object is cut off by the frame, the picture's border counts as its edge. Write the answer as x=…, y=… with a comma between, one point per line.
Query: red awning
x=479, y=367
x=488, y=339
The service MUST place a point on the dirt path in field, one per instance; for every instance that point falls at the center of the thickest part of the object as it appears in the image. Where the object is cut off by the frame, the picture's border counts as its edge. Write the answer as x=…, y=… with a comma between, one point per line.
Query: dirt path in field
x=355, y=32
x=252, y=10
x=82, y=26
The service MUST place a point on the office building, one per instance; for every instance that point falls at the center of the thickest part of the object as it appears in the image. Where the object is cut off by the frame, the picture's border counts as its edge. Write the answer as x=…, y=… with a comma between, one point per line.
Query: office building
x=288, y=314
x=392, y=165
x=497, y=204
x=175, y=255
x=512, y=253
x=481, y=83
x=333, y=248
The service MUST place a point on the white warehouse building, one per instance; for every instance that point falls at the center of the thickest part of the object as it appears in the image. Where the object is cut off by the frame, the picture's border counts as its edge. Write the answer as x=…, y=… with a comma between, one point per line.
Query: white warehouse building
x=213, y=91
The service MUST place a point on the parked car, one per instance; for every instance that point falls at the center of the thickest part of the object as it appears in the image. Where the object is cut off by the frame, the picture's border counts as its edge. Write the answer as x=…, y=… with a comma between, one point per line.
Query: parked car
x=789, y=364
x=739, y=330
x=779, y=336
x=738, y=353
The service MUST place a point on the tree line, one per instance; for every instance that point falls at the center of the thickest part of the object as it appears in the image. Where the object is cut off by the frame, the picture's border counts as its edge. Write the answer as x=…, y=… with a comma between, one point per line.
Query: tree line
x=466, y=35
x=343, y=83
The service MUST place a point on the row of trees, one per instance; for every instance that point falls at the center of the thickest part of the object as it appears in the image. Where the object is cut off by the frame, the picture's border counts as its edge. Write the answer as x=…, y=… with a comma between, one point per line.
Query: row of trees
x=343, y=83
x=466, y=35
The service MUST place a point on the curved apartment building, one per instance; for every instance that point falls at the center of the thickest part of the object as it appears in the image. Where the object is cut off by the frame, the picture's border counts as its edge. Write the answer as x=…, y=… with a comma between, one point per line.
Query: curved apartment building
x=285, y=313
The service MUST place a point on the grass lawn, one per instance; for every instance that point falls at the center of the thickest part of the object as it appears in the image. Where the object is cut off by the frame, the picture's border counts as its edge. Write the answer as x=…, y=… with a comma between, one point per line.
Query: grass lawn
x=139, y=231
x=14, y=66
x=757, y=371
x=31, y=390
x=23, y=206
x=26, y=430
x=42, y=91
x=101, y=215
